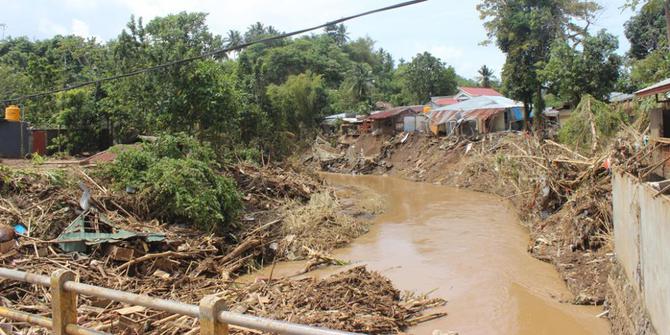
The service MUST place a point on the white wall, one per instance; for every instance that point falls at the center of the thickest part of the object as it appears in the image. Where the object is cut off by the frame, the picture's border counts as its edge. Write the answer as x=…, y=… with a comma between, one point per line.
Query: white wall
x=642, y=244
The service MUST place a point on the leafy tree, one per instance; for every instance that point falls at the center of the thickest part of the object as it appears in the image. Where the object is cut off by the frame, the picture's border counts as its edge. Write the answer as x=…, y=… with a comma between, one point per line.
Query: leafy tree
x=427, y=76
x=646, y=30
x=485, y=76
x=78, y=115
x=650, y=70
x=649, y=32
x=594, y=70
x=298, y=102
x=524, y=30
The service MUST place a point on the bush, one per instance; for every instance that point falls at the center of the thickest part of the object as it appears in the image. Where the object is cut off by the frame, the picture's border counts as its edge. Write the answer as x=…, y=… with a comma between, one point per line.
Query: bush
x=177, y=177
x=189, y=190
x=606, y=120
x=182, y=146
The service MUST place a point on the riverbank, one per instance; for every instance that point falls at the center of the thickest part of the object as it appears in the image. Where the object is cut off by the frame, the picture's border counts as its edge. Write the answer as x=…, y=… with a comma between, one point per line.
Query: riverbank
x=563, y=197
x=438, y=238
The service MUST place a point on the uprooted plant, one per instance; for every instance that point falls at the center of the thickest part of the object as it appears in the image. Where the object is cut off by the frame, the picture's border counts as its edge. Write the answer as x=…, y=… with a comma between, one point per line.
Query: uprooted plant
x=177, y=177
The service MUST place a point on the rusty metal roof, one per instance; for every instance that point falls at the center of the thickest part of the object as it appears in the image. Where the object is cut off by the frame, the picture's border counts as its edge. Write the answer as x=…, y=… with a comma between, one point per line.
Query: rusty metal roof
x=660, y=87
x=395, y=111
x=480, y=91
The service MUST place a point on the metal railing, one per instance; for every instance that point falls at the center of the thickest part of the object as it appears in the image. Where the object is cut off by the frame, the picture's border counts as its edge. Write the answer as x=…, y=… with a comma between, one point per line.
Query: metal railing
x=214, y=319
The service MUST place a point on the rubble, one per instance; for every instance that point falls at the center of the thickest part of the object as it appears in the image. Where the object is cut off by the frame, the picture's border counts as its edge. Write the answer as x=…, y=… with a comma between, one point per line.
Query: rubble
x=109, y=241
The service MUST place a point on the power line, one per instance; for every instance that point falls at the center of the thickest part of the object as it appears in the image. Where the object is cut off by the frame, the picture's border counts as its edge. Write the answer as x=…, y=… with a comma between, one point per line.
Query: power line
x=211, y=53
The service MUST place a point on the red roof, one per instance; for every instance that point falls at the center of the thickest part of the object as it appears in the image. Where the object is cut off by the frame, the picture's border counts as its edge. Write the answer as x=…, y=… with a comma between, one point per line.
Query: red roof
x=445, y=101
x=480, y=91
x=394, y=112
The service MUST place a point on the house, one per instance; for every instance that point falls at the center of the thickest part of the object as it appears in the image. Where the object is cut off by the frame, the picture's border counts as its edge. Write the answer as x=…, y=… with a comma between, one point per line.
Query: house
x=478, y=115
x=330, y=122
x=437, y=102
x=618, y=97
x=394, y=120
x=465, y=93
x=659, y=124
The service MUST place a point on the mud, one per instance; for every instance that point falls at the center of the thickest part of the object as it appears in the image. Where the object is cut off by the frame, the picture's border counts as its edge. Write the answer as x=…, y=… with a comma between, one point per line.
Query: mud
x=468, y=248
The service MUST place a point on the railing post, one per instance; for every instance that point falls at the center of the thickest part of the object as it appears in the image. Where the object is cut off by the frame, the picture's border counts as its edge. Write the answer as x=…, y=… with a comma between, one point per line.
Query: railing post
x=63, y=303
x=210, y=308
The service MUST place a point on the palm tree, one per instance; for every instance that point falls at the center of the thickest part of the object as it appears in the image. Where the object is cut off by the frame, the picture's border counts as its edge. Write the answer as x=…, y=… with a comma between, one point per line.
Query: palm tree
x=233, y=39
x=485, y=76
x=254, y=32
x=361, y=82
x=338, y=33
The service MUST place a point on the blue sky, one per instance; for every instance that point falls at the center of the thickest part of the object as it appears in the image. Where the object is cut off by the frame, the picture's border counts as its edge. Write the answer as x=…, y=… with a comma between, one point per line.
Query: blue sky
x=448, y=29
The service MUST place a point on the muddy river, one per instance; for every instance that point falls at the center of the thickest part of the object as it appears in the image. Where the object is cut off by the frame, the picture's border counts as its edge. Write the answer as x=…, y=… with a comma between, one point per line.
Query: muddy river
x=468, y=248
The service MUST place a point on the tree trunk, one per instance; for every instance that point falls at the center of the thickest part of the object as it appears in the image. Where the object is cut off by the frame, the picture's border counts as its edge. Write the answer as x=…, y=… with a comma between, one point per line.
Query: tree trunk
x=526, y=115
x=666, y=6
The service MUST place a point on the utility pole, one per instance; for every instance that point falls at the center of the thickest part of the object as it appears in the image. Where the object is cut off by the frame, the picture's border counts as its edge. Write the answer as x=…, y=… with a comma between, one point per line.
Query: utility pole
x=3, y=26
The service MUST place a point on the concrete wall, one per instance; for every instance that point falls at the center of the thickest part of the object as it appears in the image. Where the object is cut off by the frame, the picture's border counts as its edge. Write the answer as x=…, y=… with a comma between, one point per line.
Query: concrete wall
x=642, y=244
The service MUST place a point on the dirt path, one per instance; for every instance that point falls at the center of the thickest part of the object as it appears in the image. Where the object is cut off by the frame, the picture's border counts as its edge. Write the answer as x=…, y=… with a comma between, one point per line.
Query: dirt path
x=470, y=248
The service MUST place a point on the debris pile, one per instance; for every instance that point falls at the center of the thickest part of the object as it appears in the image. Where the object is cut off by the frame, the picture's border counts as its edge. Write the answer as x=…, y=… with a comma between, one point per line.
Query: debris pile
x=289, y=216
x=356, y=300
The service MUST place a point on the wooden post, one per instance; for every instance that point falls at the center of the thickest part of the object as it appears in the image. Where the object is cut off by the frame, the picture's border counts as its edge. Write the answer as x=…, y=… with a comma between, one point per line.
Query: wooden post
x=63, y=303
x=210, y=307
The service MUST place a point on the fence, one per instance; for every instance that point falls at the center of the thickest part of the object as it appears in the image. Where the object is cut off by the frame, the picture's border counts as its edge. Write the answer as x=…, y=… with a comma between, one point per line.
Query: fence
x=214, y=319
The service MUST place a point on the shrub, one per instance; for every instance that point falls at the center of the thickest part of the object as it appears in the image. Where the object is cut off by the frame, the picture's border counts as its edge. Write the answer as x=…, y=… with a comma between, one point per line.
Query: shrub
x=605, y=119
x=177, y=177
x=189, y=190
x=181, y=145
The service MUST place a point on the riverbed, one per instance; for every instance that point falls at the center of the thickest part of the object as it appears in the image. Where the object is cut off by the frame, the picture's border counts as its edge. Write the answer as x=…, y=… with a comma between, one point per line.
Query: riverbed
x=468, y=248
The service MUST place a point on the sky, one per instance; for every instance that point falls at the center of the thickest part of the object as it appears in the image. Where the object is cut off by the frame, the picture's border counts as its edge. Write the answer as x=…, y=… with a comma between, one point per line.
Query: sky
x=450, y=30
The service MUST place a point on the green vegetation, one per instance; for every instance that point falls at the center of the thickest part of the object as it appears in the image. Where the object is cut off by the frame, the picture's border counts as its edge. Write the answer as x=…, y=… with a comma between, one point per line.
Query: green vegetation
x=177, y=176
x=525, y=30
x=241, y=100
x=648, y=33
x=486, y=76
x=425, y=76
x=592, y=120
x=593, y=70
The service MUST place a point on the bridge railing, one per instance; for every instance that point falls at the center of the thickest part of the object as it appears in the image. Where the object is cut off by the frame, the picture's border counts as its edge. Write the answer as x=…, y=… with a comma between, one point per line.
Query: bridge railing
x=211, y=312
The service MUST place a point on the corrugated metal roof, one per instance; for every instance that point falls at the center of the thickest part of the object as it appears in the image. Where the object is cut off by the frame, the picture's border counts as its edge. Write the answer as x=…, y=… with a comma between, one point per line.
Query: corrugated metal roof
x=481, y=103
x=480, y=91
x=482, y=114
x=619, y=97
x=445, y=101
x=660, y=87
x=394, y=112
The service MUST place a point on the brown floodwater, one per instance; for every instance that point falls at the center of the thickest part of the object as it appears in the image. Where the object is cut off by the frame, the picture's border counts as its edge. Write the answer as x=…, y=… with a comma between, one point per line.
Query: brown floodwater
x=466, y=247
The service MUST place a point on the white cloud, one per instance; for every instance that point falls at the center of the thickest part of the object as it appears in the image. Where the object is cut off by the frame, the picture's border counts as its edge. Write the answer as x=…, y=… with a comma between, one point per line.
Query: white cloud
x=451, y=55
x=50, y=28
x=80, y=28
x=77, y=27
x=80, y=4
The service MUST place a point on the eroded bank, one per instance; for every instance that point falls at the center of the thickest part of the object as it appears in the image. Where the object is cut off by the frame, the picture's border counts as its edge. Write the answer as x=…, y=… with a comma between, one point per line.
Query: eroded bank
x=469, y=248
